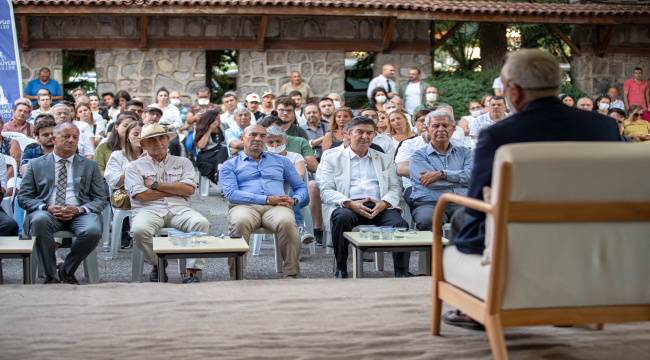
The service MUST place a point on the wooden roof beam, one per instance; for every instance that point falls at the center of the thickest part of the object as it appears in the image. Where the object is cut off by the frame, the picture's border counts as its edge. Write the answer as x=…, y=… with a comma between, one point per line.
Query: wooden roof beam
x=556, y=30
x=261, y=32
x=389, y=31
x=144, y=32
x=438, y=43
x=600, y=47
x=24, y=32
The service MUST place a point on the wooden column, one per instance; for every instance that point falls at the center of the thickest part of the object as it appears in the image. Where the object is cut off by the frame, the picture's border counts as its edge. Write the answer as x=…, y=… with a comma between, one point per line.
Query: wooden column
x=144, y=32
x=24, y=33
x=389, y=31
x=261, y=32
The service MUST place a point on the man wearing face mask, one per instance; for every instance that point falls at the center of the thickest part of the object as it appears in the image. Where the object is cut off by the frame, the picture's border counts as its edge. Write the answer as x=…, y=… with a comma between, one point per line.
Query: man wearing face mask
x=413, y=91
x=430, y=100
x=531, y=79
x=337, y=100
x=203, y=99
x=175, y=99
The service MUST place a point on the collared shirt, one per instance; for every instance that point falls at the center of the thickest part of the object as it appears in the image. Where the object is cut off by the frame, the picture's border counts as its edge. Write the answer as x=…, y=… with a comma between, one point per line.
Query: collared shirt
x=233, y=133
x=479, y=123
x=636, y=92
x=404, y=153
x=70, y=195
x=32, y=151
x=386, y=143
x=247, y=181
x=456, y=163
x=363, y=177
x=51, y=85
x=25, y=129
x=172, y=169
x=381, y=81
x=295, y=130
x=315, y=134
x=299, y=145
x=228, y=120
x=412, y=96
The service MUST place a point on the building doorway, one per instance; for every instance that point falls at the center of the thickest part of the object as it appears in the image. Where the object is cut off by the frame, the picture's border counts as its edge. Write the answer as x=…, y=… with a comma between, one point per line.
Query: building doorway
x=222, y=70
x=78, y=72
x=358, y=73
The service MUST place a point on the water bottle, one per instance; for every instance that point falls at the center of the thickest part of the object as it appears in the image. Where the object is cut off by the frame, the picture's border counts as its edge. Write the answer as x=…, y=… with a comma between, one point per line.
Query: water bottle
x=106, y=254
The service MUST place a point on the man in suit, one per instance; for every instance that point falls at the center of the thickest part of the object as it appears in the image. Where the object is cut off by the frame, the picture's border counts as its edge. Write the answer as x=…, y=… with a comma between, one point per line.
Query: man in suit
x=531, y=79
x=64, y=191
x=362, y=185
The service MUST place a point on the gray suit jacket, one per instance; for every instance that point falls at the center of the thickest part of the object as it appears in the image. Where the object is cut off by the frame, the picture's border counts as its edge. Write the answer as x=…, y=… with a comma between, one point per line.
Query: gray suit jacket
x=38, y=184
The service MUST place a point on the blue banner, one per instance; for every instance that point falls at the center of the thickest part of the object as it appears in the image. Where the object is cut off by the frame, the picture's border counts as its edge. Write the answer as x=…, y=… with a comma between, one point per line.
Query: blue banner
x=10, y=75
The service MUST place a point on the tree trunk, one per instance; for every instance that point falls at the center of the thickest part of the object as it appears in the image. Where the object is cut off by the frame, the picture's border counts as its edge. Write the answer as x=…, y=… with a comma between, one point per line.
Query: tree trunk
x=492, y=39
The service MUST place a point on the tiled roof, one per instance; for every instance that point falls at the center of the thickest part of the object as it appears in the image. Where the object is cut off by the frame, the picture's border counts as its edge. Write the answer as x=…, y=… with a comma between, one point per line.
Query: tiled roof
x=472, y=7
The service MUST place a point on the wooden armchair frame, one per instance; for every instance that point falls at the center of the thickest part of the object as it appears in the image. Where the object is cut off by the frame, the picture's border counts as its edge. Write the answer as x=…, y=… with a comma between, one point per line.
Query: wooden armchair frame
x=490, y=312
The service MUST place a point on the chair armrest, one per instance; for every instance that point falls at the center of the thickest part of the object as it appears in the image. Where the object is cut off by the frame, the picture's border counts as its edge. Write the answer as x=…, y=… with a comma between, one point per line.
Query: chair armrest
x=478, y=205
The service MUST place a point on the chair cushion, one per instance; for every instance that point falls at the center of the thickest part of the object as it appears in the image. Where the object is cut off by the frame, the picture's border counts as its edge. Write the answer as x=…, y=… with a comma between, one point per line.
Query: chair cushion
x=467, y=272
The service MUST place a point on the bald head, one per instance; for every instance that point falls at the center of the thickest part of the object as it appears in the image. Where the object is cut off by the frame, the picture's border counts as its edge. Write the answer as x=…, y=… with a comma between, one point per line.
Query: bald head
x=388, y=70
x=254, y=136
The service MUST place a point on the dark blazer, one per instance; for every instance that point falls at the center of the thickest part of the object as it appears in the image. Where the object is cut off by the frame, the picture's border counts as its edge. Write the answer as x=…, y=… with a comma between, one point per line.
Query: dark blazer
x=546, y=119
x=38, y=184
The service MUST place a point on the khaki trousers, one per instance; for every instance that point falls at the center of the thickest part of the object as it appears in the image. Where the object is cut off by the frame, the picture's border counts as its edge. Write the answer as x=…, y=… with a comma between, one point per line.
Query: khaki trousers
x=145, y=224
x=244, y=219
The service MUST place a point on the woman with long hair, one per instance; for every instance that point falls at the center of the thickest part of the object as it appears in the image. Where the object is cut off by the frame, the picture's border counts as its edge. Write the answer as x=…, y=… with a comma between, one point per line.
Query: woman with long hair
x=398, y=127
x=378, y=98
x=635, y=127
x=121, y=98
x=171, y=114
x=209, y=141
x=116, y=140
x=85, y=122
x=334, y=137
x=100, y=115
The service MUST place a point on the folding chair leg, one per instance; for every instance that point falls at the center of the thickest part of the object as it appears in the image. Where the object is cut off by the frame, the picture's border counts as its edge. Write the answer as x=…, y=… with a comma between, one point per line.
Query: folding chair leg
x=494, y=331
x=278, y=258
x=91, y=268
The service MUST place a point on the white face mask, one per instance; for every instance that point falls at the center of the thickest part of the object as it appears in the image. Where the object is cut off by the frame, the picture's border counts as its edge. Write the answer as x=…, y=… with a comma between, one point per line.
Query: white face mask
x=380, y=99
x=337, y=104
x=175, y=101
x=276, y=149
x=476, y=113
x=203, y=101
x=431, y=97
x=603, y=106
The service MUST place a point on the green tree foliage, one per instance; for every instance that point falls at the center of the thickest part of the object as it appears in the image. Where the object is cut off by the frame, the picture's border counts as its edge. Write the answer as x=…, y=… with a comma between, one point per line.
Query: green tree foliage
x=460, y=46
x=459, y=88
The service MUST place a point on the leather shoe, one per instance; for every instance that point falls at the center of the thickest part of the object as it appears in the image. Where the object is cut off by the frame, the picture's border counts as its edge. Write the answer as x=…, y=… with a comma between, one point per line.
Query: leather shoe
x=153, y=277
x=341, y=274
x=403, y=273
x=67, y=279
x=50, y=280
x=458, y=319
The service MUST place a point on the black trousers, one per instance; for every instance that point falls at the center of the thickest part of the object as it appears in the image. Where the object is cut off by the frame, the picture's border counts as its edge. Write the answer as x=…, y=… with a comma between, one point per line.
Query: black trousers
x=344, y=219
x=8, y=226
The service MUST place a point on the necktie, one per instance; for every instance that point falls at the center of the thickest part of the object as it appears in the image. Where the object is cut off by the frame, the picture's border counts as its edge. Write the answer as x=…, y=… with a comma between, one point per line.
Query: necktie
x=388, y=87
x=61, y=182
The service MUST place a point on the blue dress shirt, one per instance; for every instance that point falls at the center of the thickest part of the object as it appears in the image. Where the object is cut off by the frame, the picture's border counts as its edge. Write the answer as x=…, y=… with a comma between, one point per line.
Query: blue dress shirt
x=456, y=163
x=245, y=181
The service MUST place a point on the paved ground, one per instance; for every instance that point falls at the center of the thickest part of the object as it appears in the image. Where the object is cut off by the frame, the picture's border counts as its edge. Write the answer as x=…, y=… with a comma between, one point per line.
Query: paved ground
x=214, y=207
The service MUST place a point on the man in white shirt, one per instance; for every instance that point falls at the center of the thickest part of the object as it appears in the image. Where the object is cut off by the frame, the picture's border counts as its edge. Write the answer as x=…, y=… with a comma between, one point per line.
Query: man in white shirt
x=496, y=113
x=413, y=91
x=385, y=80
x=361, y=185
x=229, y=106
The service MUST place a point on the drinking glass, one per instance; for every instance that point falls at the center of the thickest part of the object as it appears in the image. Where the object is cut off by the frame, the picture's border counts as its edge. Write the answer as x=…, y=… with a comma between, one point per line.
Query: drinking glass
x=387, y=232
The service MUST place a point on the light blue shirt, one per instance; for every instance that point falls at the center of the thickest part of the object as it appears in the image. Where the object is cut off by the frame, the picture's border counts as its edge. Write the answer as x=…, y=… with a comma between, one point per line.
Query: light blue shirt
x=245, y=181
x=233, y=133
x=456, y=163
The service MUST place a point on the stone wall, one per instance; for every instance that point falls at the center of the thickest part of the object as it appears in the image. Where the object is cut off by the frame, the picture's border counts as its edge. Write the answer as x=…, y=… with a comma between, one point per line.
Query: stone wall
x=33, y=60
x=594, y=74
x=141, y=73
x=403, y=62
x=259, y=71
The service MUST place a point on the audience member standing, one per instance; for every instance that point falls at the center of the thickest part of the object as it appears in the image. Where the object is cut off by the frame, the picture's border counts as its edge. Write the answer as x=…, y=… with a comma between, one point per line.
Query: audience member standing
x=384, y=80
x=44, y=81
x=296, y=84
x=413, y=91
x=635, y=90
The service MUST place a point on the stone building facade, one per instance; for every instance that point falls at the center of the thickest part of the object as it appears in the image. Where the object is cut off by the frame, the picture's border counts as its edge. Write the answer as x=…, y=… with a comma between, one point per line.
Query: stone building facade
x=142, y=71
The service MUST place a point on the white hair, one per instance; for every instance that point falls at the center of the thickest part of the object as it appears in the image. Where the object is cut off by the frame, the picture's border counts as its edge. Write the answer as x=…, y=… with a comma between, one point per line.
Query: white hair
x=534, y=70
x=443, y=111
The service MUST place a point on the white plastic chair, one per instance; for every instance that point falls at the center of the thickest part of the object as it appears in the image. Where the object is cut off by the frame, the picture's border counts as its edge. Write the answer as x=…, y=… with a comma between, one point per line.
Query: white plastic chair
x=137, y=264
x=116, y=228
x=204, y=186
x=91, y=268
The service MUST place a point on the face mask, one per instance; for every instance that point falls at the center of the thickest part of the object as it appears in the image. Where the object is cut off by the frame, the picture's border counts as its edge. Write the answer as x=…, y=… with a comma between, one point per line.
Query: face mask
x=476, y=113
x=603, y=106
x=203, y=101
x=431, y=97
x=380, y=99
x=337, y=104
x=175, y=101
x=276, y=149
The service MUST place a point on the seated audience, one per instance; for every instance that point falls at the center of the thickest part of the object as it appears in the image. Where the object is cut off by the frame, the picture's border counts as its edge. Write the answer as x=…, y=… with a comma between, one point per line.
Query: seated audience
x=8, y=226
x=406, y=150
x=44, y=133
x=210, y=144
x=19, y=116
x=285, y=106
x=585, y=103
x=438, y=168
x=315, y=128
x=635, y=127
x=378, y=98
x=399, y=128
x=382, y=139
x=116, y=139
x=334, y=137
x=243, y=118
x=295, y=144
x=253, y=182
x=160, y=186
x=603, y=104
x=62, y=112
x=567, y=100
x=363, y=186
x=496, y=113
x=55, y=198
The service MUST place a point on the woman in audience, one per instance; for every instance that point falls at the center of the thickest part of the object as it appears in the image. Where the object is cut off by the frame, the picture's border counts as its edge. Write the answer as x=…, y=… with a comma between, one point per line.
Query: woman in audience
x=112, y=106
x=171, y=114
x=398, y=127
x=378, y=98
x=86, y=124
x=485, y=102
x=114, y=173
x=419, y=120
x=11, y=148
x=121, y=98
x=382, y=122
x=100, y=115
x=116, y=140
x=602, y=104
x=209, y=141
x=568, y=100
x=334, y=137
x=635, y=127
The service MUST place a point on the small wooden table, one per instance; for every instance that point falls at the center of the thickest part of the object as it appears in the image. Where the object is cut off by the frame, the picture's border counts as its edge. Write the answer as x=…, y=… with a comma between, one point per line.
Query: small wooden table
x=205, y=247
x=420, y=241
x=12, y=247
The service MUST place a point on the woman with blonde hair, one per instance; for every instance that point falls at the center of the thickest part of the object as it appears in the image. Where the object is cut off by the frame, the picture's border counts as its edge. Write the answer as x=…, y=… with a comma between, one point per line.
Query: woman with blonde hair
x=334, y=137
x=635, y=127
x=398, y=127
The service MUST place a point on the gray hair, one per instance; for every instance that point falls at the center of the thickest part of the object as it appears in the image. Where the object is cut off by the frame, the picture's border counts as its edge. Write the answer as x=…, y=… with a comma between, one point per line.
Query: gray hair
x=534, y=70
x=442, y=111
x=275, y=130
x=66, y=107
x=64, y=125
x=241, y=111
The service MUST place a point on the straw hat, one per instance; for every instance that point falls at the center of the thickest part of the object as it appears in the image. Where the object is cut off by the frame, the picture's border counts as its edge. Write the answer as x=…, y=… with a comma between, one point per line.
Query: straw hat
x=153, y=130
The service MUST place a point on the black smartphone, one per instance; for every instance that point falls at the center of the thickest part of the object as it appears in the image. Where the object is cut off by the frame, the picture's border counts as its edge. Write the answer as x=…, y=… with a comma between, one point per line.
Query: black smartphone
x=369, y=204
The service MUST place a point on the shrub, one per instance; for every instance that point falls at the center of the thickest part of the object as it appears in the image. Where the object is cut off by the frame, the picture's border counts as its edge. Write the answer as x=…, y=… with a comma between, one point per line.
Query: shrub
x=457, y=89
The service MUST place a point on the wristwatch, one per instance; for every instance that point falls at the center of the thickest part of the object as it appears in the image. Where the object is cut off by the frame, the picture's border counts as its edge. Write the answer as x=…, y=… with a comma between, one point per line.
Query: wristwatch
x=296, y=201
x=154, y=185
x=443, y=175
